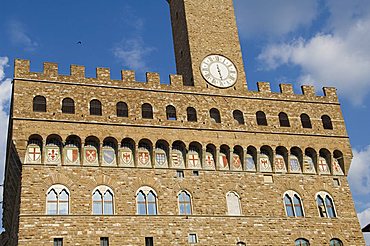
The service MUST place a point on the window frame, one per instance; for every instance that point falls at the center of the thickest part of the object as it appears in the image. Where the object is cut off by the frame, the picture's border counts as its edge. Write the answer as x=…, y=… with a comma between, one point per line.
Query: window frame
x=39, y=106
x=239, y=204
x=186, y=204
x=171, y=113
x=58, y=189
x=146, y=190
x=305, y=121
x=191, y=114
x=102, y=189
x=261, y=118
x=238, y=117
x=327, y=122
x=147, y=111
x=215, y=115
x=323, y=195
x=284, y=120
x=291, y=194
x=122, y=109
x=302, y=242
x=68, y=107
x=95, y=107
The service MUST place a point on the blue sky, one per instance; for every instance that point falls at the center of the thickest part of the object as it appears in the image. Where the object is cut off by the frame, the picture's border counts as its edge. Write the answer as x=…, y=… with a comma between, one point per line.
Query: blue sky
x=320, y=42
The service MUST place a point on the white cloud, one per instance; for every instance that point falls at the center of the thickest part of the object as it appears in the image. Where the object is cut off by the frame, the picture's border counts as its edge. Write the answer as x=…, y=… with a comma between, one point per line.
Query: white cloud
x=273, y=18
x=364, y=218
x=132, y=53
x=19, y=36
x=359, y=173
x=329, y=60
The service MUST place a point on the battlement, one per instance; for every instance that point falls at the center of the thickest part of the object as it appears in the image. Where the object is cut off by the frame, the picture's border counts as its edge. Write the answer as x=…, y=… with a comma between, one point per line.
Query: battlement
x=153, y=81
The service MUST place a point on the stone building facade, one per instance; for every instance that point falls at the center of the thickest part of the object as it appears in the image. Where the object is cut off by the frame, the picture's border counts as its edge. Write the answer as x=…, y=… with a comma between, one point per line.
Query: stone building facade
x=198, y=160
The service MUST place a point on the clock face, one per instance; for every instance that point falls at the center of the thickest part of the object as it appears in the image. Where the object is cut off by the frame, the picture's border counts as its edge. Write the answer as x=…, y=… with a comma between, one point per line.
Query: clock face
x=219, y=71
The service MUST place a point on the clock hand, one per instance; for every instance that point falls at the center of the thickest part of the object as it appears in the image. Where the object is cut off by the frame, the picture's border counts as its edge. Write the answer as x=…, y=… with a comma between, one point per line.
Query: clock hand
x=219, y=71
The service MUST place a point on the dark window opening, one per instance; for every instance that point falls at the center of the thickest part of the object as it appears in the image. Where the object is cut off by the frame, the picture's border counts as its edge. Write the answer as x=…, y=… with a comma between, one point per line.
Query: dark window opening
x=58, y=241
x=326, y=122
x=238, y=116
x=191, y=114
x=306, y=121
x=39, y=104
x=171, y=112
x=149, y=241
x=68, y=106
x=95, y=107
x=215, y=115
x=104, y=241
x=284, y=120
x=122, y=110
x=147, y=111
x=261, y=118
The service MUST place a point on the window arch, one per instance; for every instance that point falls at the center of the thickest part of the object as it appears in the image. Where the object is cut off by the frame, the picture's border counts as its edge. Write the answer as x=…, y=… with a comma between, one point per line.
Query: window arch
x=241, y=243
x=284, y=120
x=325, y=205
x=293, y=204
x=39, y=104
x=302, y=242
x=238, y=116
x=171, y=113
x=336, y=242
x=68, y=106
x=57, y=200
x=215, y=115
x=326, y=122
x=191, y=114
x=233, y=203
x=184, y=203
x=261, y=118
x=103, y=198
x=146, y=201
x=122, y=109
x=95, y=107
x=147, y=111
x=306, y=121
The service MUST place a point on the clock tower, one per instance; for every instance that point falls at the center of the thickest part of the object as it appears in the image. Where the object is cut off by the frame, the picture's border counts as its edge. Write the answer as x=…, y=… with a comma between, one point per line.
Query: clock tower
x=206, y=42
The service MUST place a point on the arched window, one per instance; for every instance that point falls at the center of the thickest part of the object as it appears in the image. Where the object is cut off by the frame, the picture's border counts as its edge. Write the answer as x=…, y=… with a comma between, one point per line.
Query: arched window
x=233, y=203
x=293, y=204
x=68, y=106
x=302, y=242
x=171, y=112
x=102, y=198
x=336, y=242
x=95, y=107
x=147, y=111
x=238, y=116
x=191, y=114
x=146, y=201
x=57, y=200
x=325, y=205
x=284, y=120
x=122, y=110
x=261, y=118
x=39, y=104
x=215, y=115
x=306, y=121
x=241, y=244
x=185, y=203
x=326, y=122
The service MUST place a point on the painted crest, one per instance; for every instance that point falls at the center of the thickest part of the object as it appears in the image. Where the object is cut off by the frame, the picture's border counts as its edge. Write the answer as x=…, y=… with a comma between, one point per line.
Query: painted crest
x=160, y=158
x=177, y=159
x=323, y=166
x=337, y=170
x=294, y=165
x=209, y=161
x=71, y=156
x=109, y=156
x=279, y=164
x=126, y=157
x=143, y=157
x=34, y=154
x=90, y=155
x=264, y=162
x=250, y=165
x=52, y=153
x=308, y=166
x=224, y=163
x=237, y=164
x=193, y=160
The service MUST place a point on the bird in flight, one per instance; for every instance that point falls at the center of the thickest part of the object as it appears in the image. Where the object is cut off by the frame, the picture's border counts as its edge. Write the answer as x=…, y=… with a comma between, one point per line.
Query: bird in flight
x=79, y=42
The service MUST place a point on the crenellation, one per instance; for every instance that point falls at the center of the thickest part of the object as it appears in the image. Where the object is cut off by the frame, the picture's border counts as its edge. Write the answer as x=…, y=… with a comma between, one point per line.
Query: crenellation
x=308, y=90
x=103, y=74
x=176, y=80
x=286, y=89
x=50, y=70
x=128, y=76
x=153, y=79
x=77, y=71
x=21, y=68
x=264, y=87
x=331, y=93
